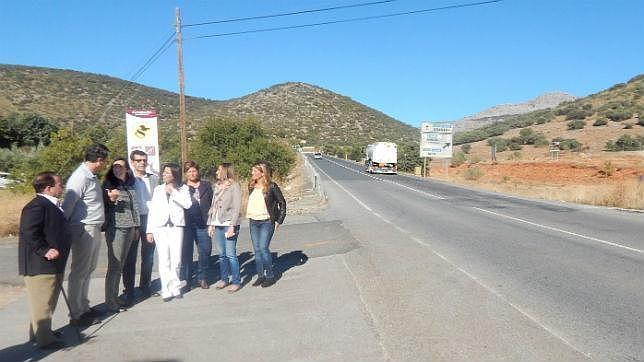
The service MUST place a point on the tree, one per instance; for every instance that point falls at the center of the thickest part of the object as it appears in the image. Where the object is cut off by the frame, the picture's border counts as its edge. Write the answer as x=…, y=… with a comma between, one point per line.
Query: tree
x=25, y=130
x=65, y=152
x=243, y=143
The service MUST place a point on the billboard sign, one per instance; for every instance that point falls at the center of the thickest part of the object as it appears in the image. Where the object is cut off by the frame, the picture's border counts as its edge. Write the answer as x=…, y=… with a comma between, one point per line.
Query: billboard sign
x=436, y=140
x=142, y=134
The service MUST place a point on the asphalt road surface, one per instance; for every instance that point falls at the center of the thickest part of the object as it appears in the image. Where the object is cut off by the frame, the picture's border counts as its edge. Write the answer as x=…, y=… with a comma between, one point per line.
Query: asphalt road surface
x=450, y=273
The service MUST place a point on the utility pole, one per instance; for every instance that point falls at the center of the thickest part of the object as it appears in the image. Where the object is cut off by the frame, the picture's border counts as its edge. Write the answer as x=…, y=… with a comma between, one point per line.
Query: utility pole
x=182, y=96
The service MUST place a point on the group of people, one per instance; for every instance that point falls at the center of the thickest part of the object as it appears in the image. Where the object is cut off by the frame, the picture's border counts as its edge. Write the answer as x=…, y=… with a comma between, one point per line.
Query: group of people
x=132, y=207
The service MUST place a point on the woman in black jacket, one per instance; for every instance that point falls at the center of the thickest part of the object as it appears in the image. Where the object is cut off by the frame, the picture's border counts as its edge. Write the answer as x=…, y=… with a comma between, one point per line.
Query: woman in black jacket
x=266, y=212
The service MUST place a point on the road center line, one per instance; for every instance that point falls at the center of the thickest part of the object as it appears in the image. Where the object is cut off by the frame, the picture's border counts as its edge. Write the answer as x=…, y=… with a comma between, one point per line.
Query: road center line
x=388, y=181
x=562, y=231
x=467, y=274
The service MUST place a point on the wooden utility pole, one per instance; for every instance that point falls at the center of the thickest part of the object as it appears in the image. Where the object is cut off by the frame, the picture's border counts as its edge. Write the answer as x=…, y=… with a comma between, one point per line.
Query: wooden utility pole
x=182, y=96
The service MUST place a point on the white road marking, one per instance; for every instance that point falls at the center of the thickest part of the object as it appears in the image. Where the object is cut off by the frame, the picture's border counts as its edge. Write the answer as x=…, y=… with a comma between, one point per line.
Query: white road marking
x=562, y=231
x=388, y=181
x=472, y=277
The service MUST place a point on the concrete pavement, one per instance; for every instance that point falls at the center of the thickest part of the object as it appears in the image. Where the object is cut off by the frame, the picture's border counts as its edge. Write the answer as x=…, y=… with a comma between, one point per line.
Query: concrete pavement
x=314, y=312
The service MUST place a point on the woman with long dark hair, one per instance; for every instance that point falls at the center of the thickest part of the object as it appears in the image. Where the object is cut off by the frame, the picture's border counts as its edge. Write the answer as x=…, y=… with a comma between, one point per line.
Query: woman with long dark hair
x=166, y=221
x=224, y=226
x=266, y=212
x=121, y=226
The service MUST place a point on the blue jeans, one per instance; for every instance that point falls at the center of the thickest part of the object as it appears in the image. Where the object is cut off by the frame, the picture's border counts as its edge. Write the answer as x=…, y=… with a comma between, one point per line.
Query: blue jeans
x=261, y=233
x=192, y=235
x=228, y=262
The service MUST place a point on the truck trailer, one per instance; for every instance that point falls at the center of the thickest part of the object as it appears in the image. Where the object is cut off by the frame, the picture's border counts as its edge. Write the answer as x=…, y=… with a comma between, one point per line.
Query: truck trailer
x=382, y=157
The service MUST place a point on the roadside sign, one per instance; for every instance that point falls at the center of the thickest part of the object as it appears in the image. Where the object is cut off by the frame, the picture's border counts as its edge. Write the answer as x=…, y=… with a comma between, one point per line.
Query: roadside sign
x=142, y=135
x=436, y=140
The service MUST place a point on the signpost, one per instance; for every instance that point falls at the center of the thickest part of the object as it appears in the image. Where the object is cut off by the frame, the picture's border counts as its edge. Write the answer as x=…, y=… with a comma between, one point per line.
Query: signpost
x=142, y=134
x=435, y=141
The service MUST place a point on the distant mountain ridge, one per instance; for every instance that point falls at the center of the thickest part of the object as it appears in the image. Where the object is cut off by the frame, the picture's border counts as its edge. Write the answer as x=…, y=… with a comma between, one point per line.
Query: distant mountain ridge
x=292, y=111
x=501, y=111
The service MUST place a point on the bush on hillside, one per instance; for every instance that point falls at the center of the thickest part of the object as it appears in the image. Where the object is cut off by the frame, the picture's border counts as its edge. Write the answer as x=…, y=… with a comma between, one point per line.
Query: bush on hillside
x=473, y=173
x=600, y=122
x=576, y=124
x=568, y=144
x=626, y=143
x=458, y=158
x=466, y=148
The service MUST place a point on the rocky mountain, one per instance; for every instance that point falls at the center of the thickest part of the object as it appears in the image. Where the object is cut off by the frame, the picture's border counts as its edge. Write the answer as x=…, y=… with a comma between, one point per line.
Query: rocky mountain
x=502, y=111
x=292, y=111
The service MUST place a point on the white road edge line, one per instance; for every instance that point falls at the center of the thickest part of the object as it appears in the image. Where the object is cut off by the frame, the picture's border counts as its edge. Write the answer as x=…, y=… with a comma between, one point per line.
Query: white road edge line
x=562, y=231
x=367, y=309
x=388, y=181
x=476, y=280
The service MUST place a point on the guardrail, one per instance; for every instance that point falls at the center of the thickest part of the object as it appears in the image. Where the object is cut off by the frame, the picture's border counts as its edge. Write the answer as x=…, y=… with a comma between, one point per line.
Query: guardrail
x=314, y=176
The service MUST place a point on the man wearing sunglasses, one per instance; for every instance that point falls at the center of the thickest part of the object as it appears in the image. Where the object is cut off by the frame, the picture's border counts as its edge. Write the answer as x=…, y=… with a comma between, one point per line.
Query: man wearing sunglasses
x=145, y=183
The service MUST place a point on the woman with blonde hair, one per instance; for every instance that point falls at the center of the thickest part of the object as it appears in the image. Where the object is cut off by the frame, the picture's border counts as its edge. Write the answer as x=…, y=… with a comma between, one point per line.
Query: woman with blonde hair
x=223, y=226
x=266, y=212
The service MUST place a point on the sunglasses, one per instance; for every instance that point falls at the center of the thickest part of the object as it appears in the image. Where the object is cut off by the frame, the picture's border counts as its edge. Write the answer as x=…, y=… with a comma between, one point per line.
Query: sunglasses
x=139, y=160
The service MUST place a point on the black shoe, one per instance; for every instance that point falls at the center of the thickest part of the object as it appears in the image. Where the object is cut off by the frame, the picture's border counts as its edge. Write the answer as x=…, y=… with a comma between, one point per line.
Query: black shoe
x=55, y=345
x=84, y=321
x=92, y=312
x=268, y=282
x=180, y=296
x=165, y=300
x=118, y=309
x=258, y=282
x=146, y=293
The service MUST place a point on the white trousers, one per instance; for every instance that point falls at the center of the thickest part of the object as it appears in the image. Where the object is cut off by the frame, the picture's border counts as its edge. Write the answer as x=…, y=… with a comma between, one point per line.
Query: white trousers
x=169, y=241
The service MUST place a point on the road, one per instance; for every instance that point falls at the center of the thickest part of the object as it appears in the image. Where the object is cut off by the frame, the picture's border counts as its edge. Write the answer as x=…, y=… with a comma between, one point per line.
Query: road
x=450, y=273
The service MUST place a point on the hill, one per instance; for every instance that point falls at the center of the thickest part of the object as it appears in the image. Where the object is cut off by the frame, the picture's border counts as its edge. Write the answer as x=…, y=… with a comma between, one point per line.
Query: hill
x=592, y=120
x=294, y=111
x=501, y=112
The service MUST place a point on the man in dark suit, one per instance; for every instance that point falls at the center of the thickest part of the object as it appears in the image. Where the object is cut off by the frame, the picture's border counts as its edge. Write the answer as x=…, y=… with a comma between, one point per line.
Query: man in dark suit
x=43, y=248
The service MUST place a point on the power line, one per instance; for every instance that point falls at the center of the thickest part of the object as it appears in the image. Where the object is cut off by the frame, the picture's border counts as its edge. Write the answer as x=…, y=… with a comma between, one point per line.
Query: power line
x=288, y=14
x=148, y=63
x=344, y=20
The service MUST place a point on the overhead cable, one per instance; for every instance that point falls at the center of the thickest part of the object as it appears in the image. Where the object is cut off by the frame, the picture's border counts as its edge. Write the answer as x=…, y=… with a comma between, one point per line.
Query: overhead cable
x=288, y=14
x=349, y=20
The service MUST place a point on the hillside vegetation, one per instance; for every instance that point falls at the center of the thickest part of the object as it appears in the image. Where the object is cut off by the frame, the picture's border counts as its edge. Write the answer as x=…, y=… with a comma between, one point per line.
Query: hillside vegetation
x=289, y=111
x=622, y=102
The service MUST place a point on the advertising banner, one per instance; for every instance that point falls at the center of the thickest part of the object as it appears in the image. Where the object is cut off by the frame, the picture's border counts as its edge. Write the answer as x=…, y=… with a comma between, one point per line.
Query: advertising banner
x=142, y=134
x=436, y=140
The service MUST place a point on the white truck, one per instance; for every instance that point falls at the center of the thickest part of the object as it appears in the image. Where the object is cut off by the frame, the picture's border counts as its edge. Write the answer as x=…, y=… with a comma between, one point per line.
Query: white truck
x=382, y=157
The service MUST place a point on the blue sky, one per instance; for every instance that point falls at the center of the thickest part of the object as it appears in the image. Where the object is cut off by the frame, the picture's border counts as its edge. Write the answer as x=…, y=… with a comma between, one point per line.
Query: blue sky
x=435, y=66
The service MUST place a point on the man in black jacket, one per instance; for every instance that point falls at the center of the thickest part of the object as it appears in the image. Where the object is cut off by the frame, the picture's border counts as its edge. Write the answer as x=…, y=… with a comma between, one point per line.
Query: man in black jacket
x=43, y=248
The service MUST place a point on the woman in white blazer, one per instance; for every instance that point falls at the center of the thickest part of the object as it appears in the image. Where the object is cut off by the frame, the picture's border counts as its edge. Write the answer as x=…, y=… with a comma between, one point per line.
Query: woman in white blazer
x=165, y=228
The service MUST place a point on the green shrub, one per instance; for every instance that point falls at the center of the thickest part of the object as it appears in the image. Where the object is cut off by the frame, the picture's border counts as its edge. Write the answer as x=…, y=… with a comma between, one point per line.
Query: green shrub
x=515, y=156
x=242, y=143
x=640, y=122
x=617, y=115
x=628, y=126
x=501, y=143
x=568, y=144
x=600, y=122
x=458, y=158
x=473, y=173
x=626, y=143
x=466, y=148
x=576, y=124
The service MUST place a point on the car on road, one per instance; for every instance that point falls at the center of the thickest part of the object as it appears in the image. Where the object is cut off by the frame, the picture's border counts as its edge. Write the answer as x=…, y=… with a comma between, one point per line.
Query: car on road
x=317, y=155
x=5, y=180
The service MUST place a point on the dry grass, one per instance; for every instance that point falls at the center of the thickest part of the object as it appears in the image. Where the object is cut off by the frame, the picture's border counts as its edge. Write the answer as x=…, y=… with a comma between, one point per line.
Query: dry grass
x=625, y=194
x=12, y=205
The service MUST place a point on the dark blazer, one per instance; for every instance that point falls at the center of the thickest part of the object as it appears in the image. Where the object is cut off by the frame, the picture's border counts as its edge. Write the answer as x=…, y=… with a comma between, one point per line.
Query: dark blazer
x=275, y=203
x=197, y=214
x=42, y=226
